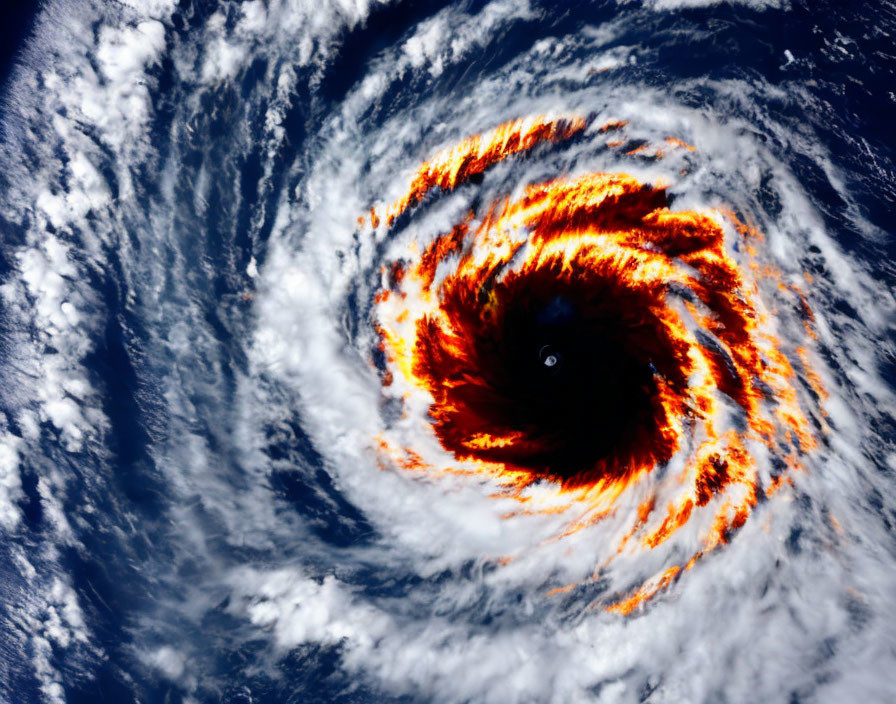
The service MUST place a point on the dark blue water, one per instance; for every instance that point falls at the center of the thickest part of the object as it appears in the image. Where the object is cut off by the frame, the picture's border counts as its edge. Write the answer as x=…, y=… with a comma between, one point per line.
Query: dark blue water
x=153, y=494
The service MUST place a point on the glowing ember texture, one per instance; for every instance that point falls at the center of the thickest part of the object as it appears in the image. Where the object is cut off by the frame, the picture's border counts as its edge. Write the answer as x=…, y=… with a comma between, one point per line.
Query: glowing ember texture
x=584, y=335
x=475, y=154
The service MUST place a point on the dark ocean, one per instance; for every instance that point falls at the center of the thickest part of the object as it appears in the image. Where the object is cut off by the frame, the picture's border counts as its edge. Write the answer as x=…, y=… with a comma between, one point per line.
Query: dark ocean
x=193, y=507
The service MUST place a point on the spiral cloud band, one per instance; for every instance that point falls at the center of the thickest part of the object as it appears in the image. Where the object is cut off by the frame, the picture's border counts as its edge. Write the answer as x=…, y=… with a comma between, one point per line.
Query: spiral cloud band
x=493, y=351
x=554, y=351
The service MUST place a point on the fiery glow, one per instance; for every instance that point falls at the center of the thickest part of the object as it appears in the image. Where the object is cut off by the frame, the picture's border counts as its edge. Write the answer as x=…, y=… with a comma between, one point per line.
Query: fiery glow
x=474, y=155
x=584, y=335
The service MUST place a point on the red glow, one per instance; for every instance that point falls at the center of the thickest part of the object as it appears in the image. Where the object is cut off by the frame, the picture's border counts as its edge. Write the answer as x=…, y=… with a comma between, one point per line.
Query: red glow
x=654, y=294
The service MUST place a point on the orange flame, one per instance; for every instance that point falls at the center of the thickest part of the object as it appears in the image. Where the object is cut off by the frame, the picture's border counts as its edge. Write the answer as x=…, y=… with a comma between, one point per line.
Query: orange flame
x=665, y=277
x=473, y=155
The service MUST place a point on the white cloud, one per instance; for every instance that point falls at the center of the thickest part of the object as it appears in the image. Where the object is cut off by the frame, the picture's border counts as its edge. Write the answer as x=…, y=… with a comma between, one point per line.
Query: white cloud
x=10, y=482
x=437, y=525
x=469, y=631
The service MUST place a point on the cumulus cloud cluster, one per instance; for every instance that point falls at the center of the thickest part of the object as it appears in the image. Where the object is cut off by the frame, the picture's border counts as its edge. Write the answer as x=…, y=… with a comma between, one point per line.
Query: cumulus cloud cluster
x=188, y=201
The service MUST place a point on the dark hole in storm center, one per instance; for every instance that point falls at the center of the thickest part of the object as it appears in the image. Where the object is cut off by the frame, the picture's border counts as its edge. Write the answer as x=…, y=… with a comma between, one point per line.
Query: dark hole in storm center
x=566, y=374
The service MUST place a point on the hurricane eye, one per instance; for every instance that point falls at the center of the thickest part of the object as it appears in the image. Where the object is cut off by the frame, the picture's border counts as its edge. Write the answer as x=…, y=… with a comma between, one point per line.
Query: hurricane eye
x=588, y=338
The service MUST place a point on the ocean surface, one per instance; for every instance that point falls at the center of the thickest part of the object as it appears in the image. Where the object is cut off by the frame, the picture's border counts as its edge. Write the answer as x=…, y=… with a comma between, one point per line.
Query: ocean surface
x=225, y=478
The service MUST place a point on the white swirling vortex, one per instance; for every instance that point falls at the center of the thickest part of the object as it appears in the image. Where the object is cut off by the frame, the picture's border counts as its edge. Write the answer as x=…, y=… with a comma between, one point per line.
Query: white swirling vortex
x=413, y=604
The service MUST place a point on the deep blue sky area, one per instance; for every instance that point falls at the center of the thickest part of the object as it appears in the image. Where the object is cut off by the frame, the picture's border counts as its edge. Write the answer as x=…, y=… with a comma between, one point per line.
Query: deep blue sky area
x=191, y=357
x=16, y=19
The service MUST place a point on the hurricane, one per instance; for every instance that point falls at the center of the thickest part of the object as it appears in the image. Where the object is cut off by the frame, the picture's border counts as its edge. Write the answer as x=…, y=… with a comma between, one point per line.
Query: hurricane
x=488, y=351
